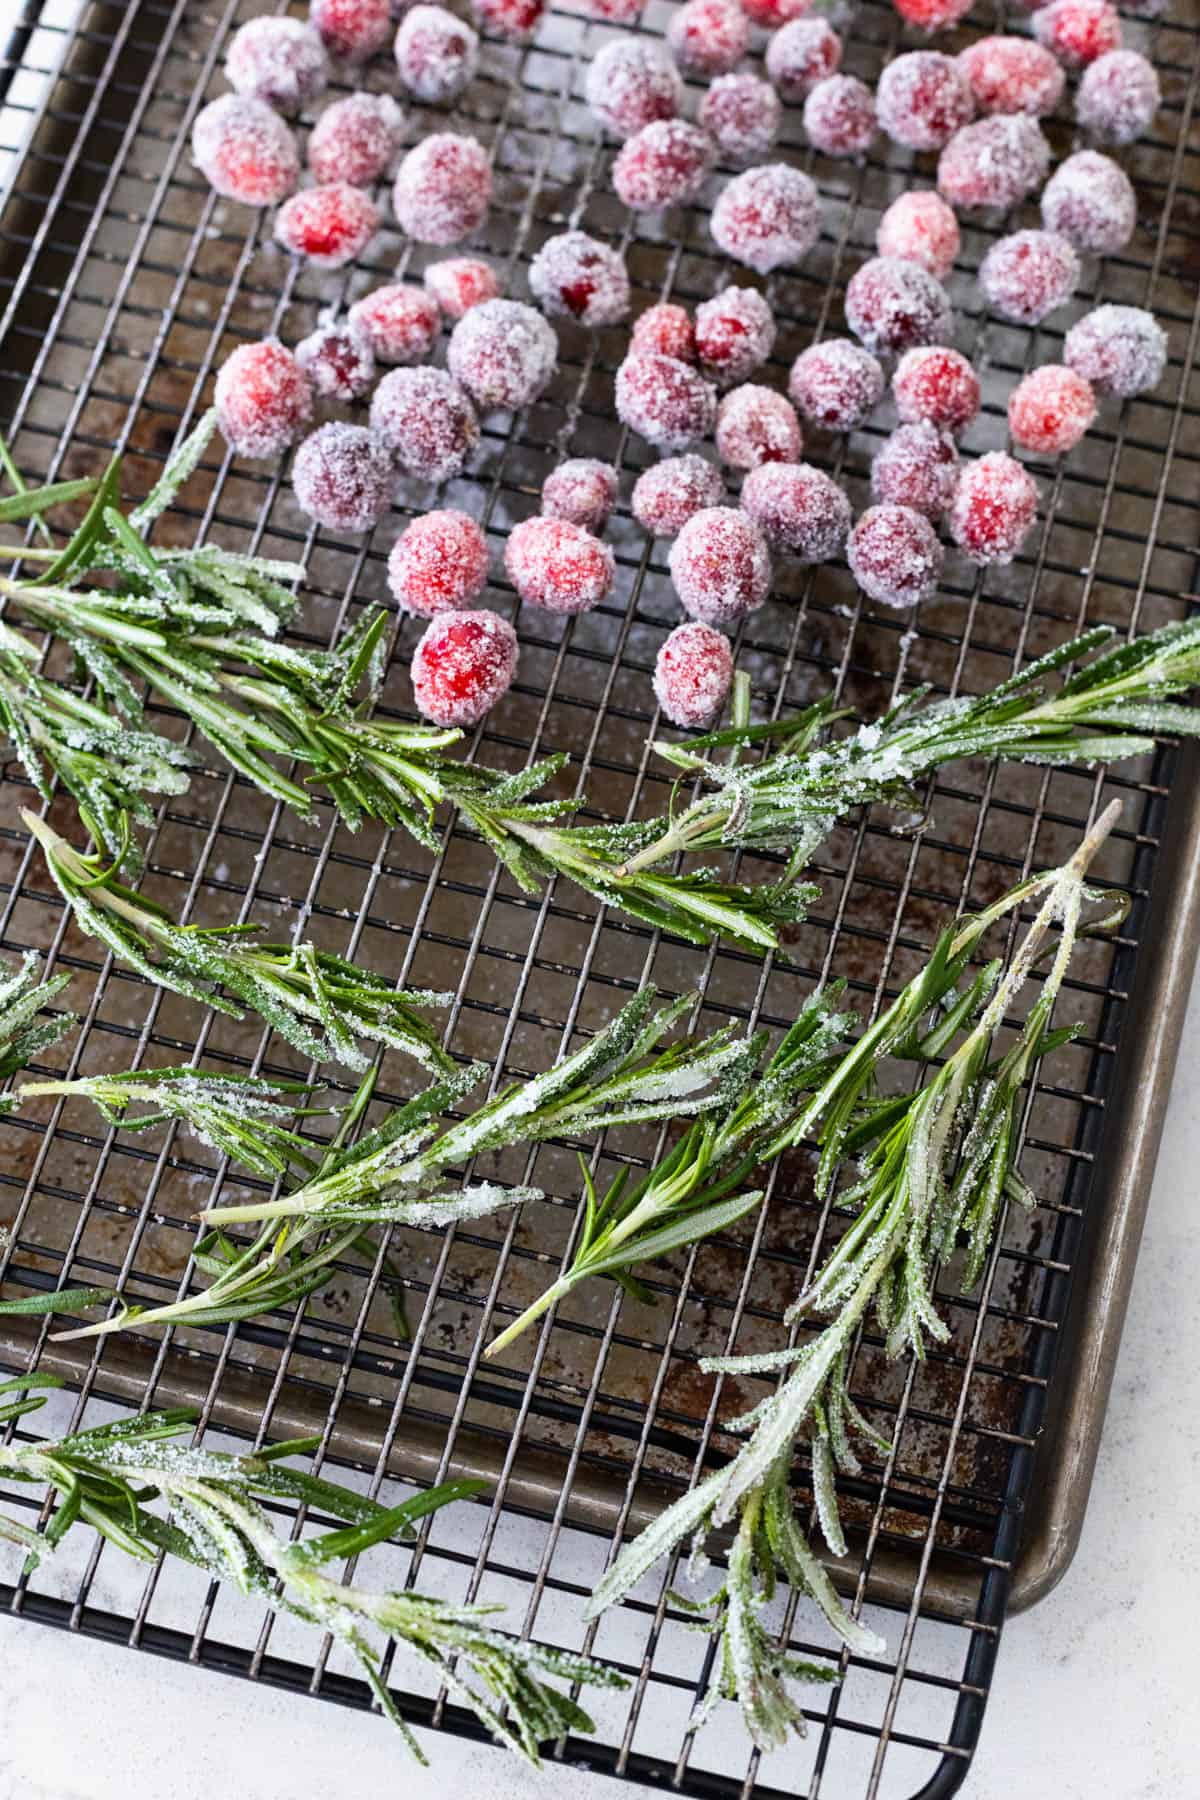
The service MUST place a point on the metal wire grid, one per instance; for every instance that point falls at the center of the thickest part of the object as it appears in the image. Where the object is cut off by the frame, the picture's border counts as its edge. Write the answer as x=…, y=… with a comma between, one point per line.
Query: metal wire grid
x=127, y=285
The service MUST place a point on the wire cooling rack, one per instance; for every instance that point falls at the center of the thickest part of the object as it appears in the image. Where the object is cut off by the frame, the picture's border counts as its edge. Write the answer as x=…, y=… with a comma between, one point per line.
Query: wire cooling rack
x=125, y=284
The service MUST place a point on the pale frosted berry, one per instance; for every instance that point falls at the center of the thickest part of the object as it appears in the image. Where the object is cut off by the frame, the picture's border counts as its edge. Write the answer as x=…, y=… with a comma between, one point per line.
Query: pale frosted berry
x=661, y=164
x=802, y=53
x=768, y=217
x=1119, y=349
x=576, y=276
x=755, y=425
x=328, y=226
x=460, y=283
x=630, y=83
x=503, y=352
x=280, y=61
x=917, y=467
x=922, y=99
x=443, y=189
x=708, y=37
x=798, y=508
x=836, y=384
x=352, y=29
x=994, y=508
x=664, y=400
x=1078, y=31
x=1090, y=201
x=558, y=566
x=400, y=322
x=426, y=421
x=937, y=385
x=665, y=329
x=438, y=564
x=720, y=566
x=932, y=15
x=339, y=363
x=1012, y=75
x=516, y=20
x=893, y=305
x=582, y=490
x=356, y=139
x=463, y=664
x=996, y=161
x=245, y=150
x=839, y=116
x=1026, y=276
x=342, y=477
x=741, y=114
x=771, y=14
x=735, y=333
x=1049, y=411
x=693, y=674
x=919, y=227
x=263, y=399
x=436, y=54
x=1118, y=97
x=894, y=555
x=667, y=495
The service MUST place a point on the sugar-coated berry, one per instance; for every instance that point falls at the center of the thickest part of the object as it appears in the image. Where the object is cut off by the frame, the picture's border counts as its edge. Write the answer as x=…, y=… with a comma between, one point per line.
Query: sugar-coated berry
x=616, y=12
x=922, y=99
x=328, y=226
x=278, y=60
x=801, y=53
x=994, y=508
x=768, y=217
x=735, y=333
x=1090, y=201
x=756, y=425
x=443, y=189
x=1012, y=75
x=937, y=385
x=558, y=566
x=438, y=564
x=661, y=164
x=436, y=54
x=1078, y=31
x=426, y=421
x=460, y=283
x=893, y=306
x=664, y=400
x=741, y=114
x=836, y=384
x=630, y=83
x=894, y=555
x=1118, y=97
x=708, y=37
x=771, y=14
x=582, y=490
x=916, y=467
x=263, y=399
x=693, y=674
x=798, y=508
x=339, y=363
x=1027, y=275
x=1119, y=349
x=503, y=352
x=356, y=139
x=671, y=492
x=720, y=566
x=400, y=322
x=839, y=116
x=463, y=664
x=665, y=329
x=576, y=276
x=996, y=161
x=919, y=227
x=352, y=29
x=342, y=477
x=932, y=15
x=245, y=150
x=1051, y=409
x=516, y=20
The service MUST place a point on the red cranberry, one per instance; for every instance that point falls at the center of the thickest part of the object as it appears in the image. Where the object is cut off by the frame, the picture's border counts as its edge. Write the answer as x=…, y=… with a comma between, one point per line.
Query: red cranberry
x=767, y=218
x=426, y=421
x=582, y=490
x=1049, y=411
x=735, y=333
x=1118, y=97
x=1119, y=349
x=894, y=555
x=936, y=385
x=666, y=401
x=693, y=674
x=558, y=566
x=741, y=115
x=436, y=54
x=994, y=508
x=916, y=467
x=329, y=226
x=516, y=20
x=460, y=283
x=802, y=53
x=755, y=425
x=1026, y=276
x=836, y=384
x=667, y=495
x=1078, y=31
x=280, y=61
x=630, y=83
x=919, y=227
x=356, y=139
x=616, y=12
x=708, y=37
x=771, y=14
x=839, y=116
x=438, y=564
x=352, y=29
x=503, y=352
x=575, y=276
x=443, y=189
x=720, y=566
x=932, y=15
x=1090, y=201
x=797, y=508
x=662, y=164
x=666, y=329
x=342, y=477
x=994, y=162
x=400, y=322
x=1012, y=75
x=465, y=662
x=893, y=306
x=338, y=362
x=922, y=99
x=245, y=151
x=263, y=399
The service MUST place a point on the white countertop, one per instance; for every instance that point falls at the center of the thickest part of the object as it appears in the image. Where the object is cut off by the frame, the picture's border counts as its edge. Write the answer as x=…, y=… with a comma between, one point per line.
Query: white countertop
x=1095, y=1692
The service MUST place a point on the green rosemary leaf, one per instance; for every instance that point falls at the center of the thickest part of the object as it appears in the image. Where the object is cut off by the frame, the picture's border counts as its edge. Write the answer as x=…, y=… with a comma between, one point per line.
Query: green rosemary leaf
x=31, y=502
x=58, y=1300
x=182, y=463
x=22, y=1033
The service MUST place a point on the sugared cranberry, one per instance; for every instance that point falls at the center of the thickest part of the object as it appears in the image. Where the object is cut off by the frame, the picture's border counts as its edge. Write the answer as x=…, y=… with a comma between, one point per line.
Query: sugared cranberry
x=893, y=306
x=352, y=29
x=630, y=83
x=771, y=14
x=558, y=566
x=460, y=283
x=936, y=385
x=436, y=54
x=735, y=333
x=993, y=510
x=516, y=20
x=797, y=508
x=1012, y=75
x=919, y=227
x=245, y=151
x=356, y=139
x=1118, y=97
x=400, y=322
x=279, y=61
x=767, y=218
x=667, y=330
x=339, y=363
x=1090, y=201
x=582, y=490
x=720, y=566
x=438, y=564
x=616, y=12
x=664, y=400
x=575, y=276
x=1026, y=276
x=693, y=674
x=1049, y=411
x=503, y=352
x=755, y=425
x=741, y=115
x=894, y=555
x=802, y=53
x=1119, y=349
x=932, y=15
x=1078, y=31
x=342, y=477
x=708, y=37
x=836, y=384
x=263, y=399
x=661, y=164
x=464, y=663
x=839, y=116
x=426, y=421
x=994, y=162
x=667, y=495
x=916, y=467
x=443, y=189
x=922, y=99
x=329, y=226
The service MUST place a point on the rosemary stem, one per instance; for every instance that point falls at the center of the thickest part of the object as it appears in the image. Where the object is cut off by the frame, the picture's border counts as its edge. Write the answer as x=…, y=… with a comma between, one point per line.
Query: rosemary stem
x=545, y=1300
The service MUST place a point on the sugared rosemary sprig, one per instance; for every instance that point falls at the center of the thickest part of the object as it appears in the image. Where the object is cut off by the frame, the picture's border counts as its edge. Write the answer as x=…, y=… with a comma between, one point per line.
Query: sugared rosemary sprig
x=22, y=1033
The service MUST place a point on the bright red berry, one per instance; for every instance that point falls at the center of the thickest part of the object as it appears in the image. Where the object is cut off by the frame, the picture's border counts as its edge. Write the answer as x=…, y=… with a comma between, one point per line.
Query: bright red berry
x=400, y=322
x=802, y=53
x=443, y=189
x=720, y=566
x=342, y=477
x=994, y=508
x=516, y=20
x=328, y=226
x=894, y=555
x=771, y=14
x=356, y=139
x=932, y=15
x=661, y=164
x=893, y=306
x=339, y=363
x=582, y=490
x=836, y=384
x=426, y=421
x=798, y=508
x=1012, y=75
x=245, y=151
x=669, y=493
x=1090, y=201
x=278, y=60
x=666, y=330
x=741, y=115
x=436, y=54
x=576, y=276
x=666, y=401
x=503, y=352
x=1119, y=349
x=693, y=674
x=558, y=566
x=630, y=83
x=755, y=425
x=1050, y=410
x=460, y=283
x=263, y=399
x=996, y=161
x=768, y=217
x=839, y=116
x=708, y=37
x=352, y=29
x=919, y=227
x=1078, y=31
x=1026, y=276
x=438, y=564
x=937, y=385
x=463, y=664
x=922, y=99
x=916, y=467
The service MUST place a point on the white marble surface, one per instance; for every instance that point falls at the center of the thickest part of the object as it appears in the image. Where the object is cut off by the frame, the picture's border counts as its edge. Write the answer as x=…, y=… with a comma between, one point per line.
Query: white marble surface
x=1095, y=1692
